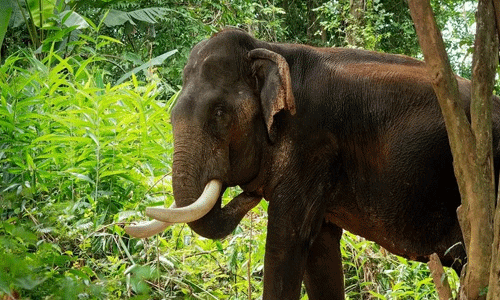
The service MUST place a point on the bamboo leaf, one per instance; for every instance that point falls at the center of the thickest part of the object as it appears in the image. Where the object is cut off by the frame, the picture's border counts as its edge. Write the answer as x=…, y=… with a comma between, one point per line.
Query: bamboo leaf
x=29, y=161
x=61, y=138
x=94, y=138
x=71, y=18
x=83, y=177
x=5, y=13
x=6, y=125
x=108, y=38
x=153, y=62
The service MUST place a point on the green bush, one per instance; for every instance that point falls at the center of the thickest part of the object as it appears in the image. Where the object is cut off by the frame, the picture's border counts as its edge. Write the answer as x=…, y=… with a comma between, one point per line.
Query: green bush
x=74, y=152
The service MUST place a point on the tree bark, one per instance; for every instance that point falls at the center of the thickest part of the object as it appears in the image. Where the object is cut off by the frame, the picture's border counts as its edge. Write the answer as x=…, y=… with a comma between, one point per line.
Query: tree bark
x=496, y=5
x=485, y=60
x=494, y=280
x=312, y=24
x=471, y=145
x=355, y=22
x=494, y=288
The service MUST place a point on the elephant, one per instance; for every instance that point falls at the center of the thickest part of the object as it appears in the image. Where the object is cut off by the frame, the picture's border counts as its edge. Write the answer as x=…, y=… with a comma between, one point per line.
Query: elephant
x=333, y=138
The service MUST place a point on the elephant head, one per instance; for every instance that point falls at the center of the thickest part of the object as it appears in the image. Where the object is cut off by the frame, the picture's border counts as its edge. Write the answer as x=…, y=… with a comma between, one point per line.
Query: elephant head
x=223, y=125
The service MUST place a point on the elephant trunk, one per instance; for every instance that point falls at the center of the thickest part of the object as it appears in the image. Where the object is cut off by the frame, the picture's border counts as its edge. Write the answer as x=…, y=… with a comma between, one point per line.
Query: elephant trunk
x=218, y=222
x=198, y=193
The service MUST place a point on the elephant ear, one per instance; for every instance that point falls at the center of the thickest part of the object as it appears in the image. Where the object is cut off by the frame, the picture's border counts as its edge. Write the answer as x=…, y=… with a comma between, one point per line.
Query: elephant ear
x=275, y=86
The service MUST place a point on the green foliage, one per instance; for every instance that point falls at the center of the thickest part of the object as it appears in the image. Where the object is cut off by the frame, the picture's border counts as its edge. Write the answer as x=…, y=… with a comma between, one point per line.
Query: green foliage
x=148, y=15
x=5, y=13
x=373, y=273
x=74, y=152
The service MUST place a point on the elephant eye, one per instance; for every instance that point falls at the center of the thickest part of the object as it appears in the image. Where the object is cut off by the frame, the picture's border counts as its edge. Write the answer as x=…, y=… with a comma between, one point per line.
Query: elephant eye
x=219, y=112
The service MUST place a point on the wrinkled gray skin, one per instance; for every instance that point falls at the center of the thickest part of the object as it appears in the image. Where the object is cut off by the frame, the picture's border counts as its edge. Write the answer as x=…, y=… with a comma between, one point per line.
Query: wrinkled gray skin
x=332, y=138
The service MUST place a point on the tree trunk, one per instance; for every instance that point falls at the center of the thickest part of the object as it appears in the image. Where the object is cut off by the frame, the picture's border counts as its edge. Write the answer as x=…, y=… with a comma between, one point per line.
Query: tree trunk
x=355, y=22
x=482, y=209
x=312, y=24
x=494, y=288
x=494, y=282
x=496, y=5
x=471, y=145
x=439, y=277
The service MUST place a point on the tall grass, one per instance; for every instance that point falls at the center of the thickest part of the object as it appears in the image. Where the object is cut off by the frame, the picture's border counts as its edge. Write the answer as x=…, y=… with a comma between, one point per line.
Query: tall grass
x=80, y=157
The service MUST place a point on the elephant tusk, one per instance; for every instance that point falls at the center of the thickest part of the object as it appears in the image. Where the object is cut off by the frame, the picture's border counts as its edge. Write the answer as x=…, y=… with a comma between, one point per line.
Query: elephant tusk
x=192, y=212
x=146, y=229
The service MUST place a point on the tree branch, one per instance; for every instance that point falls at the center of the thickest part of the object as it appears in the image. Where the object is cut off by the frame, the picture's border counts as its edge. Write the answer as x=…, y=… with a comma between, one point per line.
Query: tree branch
x=445, y=85
x=470, y=144
x=439, y=277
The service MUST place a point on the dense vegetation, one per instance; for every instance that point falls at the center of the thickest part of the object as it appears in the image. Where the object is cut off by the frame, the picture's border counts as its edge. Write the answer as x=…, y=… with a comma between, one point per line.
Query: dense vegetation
x=85, y=144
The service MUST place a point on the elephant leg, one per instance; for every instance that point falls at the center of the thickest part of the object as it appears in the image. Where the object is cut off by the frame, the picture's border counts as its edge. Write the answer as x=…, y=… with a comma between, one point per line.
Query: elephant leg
x=323, y=276
x=289, y=236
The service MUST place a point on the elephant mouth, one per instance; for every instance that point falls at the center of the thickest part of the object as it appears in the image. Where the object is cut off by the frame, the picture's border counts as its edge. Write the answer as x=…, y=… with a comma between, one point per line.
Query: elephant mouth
x=164, y=217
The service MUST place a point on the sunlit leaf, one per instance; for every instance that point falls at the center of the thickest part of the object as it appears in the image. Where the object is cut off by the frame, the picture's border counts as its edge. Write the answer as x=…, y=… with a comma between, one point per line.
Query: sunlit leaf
x=153, y=62
x=41, y=11
x=71, y=18
x=5, y=13
x=148, y=15
x=83, y=177
x=29, y=282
